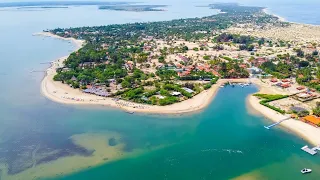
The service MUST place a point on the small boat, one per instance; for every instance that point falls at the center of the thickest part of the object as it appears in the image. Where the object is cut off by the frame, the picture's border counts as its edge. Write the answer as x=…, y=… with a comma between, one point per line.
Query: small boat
x=129, y=112
x=305, y=170
x=221, y=86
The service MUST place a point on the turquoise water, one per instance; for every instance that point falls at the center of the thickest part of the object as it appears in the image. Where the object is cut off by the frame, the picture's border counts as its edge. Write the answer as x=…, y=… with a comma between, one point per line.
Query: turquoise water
x=222, y=142
x=227, y=142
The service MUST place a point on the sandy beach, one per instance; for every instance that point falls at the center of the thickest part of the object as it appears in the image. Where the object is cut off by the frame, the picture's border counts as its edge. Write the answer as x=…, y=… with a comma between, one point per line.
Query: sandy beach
x=304, y=130
x=77, y=42
x=62, y=93
x=265, y=10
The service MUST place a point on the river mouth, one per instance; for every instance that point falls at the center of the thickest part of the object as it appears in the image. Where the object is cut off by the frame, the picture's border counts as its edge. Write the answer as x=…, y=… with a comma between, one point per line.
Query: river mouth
x=43, y=139
x=205, y=142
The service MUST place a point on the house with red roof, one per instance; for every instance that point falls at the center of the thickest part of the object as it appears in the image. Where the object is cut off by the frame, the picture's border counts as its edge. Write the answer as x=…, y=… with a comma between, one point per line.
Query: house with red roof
x=258, y=61
x=274, y=80
x=285, y=85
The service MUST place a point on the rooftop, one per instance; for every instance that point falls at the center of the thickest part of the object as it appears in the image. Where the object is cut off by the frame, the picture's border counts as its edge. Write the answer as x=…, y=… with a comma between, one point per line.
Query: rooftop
x=312, y=119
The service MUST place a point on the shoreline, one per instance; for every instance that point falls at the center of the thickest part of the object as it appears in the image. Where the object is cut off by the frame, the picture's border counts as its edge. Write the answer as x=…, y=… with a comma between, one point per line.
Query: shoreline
x=62, y=93
x=307, y=132
x=282, y=19
x=79, y=43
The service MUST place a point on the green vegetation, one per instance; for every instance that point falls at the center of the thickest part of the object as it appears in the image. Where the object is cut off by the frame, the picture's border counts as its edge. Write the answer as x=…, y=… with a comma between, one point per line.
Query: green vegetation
x=280, y=70
x=118, y=58
x=206, y=57
x=232, y=69
x=207, y=86
x=136, y=8
x=303, y=113
x=245, y=42
x=270, y=97
x=309, y=77
x=316, y=110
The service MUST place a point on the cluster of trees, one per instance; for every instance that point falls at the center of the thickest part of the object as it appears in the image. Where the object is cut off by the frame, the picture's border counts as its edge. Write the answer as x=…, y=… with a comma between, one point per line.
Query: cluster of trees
x=280, y=70
x=232, y=69
x=165, y=74
x=98, y=74
x=209, y=85
x=238, y=39
x=309, y=77
x=141, y=95
x=109, y=48
x=316, y=110
x=180, y=29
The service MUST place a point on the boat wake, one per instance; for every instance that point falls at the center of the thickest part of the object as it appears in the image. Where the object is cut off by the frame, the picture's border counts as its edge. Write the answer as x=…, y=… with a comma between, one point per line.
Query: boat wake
x=223, y=150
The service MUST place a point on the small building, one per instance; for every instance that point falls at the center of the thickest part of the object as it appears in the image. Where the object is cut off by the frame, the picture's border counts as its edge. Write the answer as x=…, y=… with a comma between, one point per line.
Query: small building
x=216, y=73
x=87, y=64
x=285, y=85
x=300, y=88
x=303, y=95
x=254, y=70
x=174, y=93
x=257, y=62
x=188, y=90
x=65, y=69
x=274, y=80
x=311, y=119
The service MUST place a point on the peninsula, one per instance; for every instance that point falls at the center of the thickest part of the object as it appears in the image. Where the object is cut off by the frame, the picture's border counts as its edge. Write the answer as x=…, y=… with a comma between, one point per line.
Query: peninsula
x=102, y=5
x=177, y=66
x=136, y=8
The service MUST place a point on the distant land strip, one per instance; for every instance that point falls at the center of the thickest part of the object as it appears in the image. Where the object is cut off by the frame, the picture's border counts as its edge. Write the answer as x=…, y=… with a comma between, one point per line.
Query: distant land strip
x=137, y=8
x=61, y=3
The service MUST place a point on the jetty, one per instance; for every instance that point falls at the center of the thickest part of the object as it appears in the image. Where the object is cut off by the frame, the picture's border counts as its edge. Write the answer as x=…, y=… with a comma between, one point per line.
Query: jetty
x=274, y=124
x=311, y=151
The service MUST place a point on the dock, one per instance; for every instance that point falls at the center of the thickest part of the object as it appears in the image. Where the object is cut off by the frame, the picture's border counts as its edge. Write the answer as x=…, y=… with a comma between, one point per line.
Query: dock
x=274, y=124
x=312, y=151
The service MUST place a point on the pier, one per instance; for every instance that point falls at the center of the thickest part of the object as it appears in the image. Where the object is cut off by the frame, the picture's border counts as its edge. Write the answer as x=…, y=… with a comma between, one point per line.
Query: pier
x=274, y=124
x=311, y=151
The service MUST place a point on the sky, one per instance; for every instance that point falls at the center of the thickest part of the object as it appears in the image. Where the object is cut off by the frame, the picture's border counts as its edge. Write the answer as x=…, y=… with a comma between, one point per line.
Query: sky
x=246, y=2
x=200, y=1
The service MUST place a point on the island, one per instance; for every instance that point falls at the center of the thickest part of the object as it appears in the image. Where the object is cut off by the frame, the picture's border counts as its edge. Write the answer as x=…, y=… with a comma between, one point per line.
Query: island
x=177, y=66
x=136, y=8
x=102, y=5
x=58, y=3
